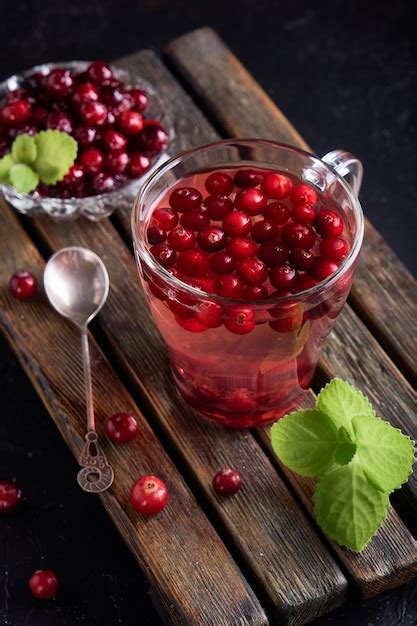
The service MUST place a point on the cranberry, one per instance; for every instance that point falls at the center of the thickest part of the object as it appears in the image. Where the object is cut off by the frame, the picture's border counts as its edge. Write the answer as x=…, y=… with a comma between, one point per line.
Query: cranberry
x=277, y=213
x=254, y=292
x=303, y=213
x=253, y=271
x=121, y=427
x=206, y=283
x=28, y=129
x=298, y=236
x=17, y=94
x=219, y=184
x=149, y=495
x=283, y=276
x=153, y=138
x=273, y=253
x=211, y=238
x=193, y=263
x=140, y=99
x=250, y=201
x=85, y=135
x=328, y=223
x=237, y=224
x=99, y=72
x=192, y=324
x=276, y=186
x=240, y=319
x=93, y=112
x=39, y=116
x=305, y=282
x=228, y=286
x=44, y=584
x=195, y=220
x=166, y=217
x=131, y=122
x=181, y=239
x=289, y=317
x=222, y=262
x=241, y=247
x=264, y=230
x=10, y=496
x=113, y=96
x=16, y=112
x=104, y=183
x=210, y=314
x=302, y=259
x=114, y=140
x=303, y=193
x=84, y=92
x=185, y=199
x=138, y=164
x=23, y=285
x=323, y=268
x=117, y=161
x=164, y=254
x=110, y=120
x=58, y=121
x=74, y=175
x=334, y=248
x=227, y=481
x=246, y=179
x=58, y=83
x=92, y=160
x=155, y=234
x=218, y=206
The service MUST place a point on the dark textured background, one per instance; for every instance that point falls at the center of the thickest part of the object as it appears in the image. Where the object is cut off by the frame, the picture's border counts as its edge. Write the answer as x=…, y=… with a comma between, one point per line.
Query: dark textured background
x=345, y=73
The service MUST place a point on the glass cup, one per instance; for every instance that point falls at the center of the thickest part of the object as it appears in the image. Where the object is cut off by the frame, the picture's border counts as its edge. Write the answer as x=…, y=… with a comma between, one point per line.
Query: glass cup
x=250, y=379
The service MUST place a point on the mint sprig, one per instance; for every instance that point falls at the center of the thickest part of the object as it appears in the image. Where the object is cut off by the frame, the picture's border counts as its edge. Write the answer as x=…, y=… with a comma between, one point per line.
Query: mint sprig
x=46, y=157
x=358, y=458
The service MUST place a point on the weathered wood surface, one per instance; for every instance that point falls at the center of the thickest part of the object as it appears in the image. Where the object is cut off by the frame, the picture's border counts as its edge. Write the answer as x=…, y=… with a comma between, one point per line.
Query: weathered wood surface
x=384, y=292
x=48, y=348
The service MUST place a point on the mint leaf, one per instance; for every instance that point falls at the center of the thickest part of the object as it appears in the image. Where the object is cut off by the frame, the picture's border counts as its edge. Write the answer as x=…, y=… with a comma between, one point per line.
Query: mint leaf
x=56, y=153
x=23, y=178
x=346, y=448
x=24, y=149
x=340, y=401
x=347, y=507
x=305, y=441
x=6, y=163
x=385, y=454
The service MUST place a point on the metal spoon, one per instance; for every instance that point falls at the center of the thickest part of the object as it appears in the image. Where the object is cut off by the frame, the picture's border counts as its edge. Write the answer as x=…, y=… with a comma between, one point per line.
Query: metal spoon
x=76, y=283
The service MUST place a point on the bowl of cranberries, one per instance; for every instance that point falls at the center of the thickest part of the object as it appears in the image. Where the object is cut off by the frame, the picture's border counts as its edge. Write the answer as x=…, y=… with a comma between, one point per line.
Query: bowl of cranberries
x=117, y=119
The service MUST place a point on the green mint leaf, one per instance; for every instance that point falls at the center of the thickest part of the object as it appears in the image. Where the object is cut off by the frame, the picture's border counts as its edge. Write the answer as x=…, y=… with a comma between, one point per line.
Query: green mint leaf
x=346, y=449
x=56, y=153
x=340, y=401
x=24, y=149
x=385, y=454
x=347, y=507
x=305, y=441
x=6, y=163
x=23, y=178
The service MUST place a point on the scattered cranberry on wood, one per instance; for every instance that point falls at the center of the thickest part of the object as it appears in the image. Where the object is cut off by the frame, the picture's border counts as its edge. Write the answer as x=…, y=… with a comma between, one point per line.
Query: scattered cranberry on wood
x=149, y=495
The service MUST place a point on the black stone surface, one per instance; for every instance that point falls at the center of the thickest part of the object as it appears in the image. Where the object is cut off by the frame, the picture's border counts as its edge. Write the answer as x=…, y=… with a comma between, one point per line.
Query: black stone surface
x=345, y=73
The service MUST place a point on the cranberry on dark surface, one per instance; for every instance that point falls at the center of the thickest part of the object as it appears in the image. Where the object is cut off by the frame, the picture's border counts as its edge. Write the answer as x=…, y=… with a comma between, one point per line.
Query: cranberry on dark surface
x=138, y=164
x=121, y=427
x=149, y=495
x=219, y=184
x=227, y=481
x=44, y=584
x=247, y=178
x=23, y=285
x=218, y=207
x=240, y=319
x=185, y=199
x=153, y=139
x=10, y=496
x=58, y=82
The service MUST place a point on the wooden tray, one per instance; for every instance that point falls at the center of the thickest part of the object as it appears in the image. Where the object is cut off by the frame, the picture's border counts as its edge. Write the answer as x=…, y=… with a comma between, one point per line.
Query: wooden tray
x=258, y=558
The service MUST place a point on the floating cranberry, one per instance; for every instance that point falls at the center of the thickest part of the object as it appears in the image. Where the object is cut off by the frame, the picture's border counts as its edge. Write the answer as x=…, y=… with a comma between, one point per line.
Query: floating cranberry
x=228, y=286
x=93, y=112
x=84, y=92
x=164, y=254
x=334, y=248
x=58, y=121
x=121, y=427
x=221, y=262
x=254, y=292
x=211, y=238
x=92, y=160
x=131, y=122
x=227, y=481
x=218, y=207
x=116, y=161
x=185, y=199
x=283, y=276
x=58, y=82
x=253, y=271
x=210, y=314
x=303, y=193
x=181, y=239
x=155, y=234
x=153, y=139
x=16, y=112
x=195, y=220
x=303, y=213
x=44, y=584
x=192, y=324
x=264, y=230
x=250, y=201
x=277, y=213
x=23, y=285
x=276, y=186
x=289, y=318
x=99, y=72
x=323, y=268
x=247, y=178
x=273, y=253
x=166, y=217
x=149, y=495
x=85, y=135
x=302, y=259
x=193, y=263
x=237, y=224
x=113, y=96
x=219, y=184
x=328, y=223
x=298, y=236
x=138, y=164
x=39, y=116
x=74, y=175
x=113, y=140
x=104, y=183
x=140, y=99
x=240, y=320
x=305, y=282
x=10, y=496
x=241, y=247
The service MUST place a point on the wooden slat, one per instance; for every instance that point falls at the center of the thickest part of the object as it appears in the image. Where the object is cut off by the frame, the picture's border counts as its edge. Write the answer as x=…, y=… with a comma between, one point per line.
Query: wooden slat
x=384, y=292
x=48, y=348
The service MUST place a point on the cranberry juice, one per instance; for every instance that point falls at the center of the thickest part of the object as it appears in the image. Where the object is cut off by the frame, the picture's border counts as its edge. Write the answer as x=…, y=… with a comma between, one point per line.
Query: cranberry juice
x=244, y=342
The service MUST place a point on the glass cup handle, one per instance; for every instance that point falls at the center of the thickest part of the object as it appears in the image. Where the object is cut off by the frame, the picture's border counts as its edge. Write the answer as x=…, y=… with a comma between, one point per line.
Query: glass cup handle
x=347, y=166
